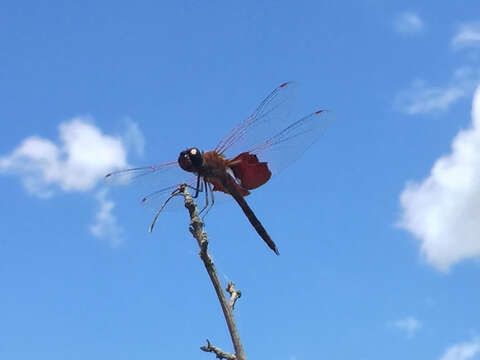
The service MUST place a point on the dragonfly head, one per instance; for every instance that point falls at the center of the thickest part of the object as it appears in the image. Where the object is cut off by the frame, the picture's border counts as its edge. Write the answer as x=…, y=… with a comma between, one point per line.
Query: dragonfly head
x=190, y=160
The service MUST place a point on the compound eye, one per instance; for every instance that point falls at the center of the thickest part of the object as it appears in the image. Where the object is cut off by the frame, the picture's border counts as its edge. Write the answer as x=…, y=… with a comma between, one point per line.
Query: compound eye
x=195, y=157
x=184, y=161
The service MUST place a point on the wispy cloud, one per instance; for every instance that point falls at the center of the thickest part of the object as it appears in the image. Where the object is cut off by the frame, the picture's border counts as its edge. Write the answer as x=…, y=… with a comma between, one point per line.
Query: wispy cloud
x=105, y=226
x=463, y=351
x=77, y=162
x=133, y=138
x=467, y=36
x=408, y=23
x=442, y=211
x=409, y=325
x=422, y=98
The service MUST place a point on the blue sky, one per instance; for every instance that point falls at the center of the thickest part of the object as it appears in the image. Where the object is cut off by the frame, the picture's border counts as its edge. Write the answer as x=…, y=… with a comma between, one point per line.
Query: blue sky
x=377, y=223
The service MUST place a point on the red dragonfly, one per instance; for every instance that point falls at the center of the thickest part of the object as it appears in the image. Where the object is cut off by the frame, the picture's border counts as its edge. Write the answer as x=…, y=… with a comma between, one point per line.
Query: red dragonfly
x=245, y=159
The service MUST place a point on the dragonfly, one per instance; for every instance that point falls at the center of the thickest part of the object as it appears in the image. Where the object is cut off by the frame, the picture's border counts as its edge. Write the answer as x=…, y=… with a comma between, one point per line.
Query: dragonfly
x=246, y=158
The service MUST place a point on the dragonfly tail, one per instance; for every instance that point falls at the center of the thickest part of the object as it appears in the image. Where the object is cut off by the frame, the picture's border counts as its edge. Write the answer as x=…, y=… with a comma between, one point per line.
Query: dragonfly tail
x=253, y=220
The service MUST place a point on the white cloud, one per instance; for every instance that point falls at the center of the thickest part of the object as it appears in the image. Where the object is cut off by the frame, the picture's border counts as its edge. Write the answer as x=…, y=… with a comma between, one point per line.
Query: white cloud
x=409, y=324
x=81, y=158
x=443, y=210
x=463, y=351
x=422, y=98
x=105, y=226
x=408, y=23
x=467, y=36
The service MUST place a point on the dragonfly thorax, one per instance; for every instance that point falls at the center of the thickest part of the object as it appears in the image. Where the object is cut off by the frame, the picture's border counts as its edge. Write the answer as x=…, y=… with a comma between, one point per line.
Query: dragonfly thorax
x=191, y=160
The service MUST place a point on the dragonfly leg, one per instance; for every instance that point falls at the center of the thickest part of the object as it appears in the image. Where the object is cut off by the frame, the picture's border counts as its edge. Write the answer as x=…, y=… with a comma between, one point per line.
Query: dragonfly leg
x=207, y=189
x=194, y=188
x=212, y=199
x=157, y=214
x=198, y=188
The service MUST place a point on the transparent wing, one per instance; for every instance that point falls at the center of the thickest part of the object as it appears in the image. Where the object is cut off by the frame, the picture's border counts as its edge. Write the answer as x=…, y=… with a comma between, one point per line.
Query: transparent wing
x=270, y=117
x=156, y=182
x=160, y=172
x=271, y=134
x=288, y=145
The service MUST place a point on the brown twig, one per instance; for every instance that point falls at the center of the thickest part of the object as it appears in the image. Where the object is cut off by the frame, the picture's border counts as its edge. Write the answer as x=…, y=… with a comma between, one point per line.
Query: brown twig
x=198, y=232
x=220, y=354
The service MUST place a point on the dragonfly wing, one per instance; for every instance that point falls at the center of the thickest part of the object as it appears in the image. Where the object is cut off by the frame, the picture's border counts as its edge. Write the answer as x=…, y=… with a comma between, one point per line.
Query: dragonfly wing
x=156, y=181
x=271, y=116
x=271, y=134
x=163, y=171
x=285, y=147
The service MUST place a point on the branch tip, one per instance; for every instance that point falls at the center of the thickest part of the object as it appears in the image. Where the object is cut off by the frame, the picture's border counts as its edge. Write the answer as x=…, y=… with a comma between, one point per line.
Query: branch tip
x=220, y=354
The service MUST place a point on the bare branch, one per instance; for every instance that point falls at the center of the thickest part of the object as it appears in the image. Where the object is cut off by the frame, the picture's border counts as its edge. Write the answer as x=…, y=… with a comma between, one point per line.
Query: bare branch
x=220, y=354
x=198, y=232
x=234, y=294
